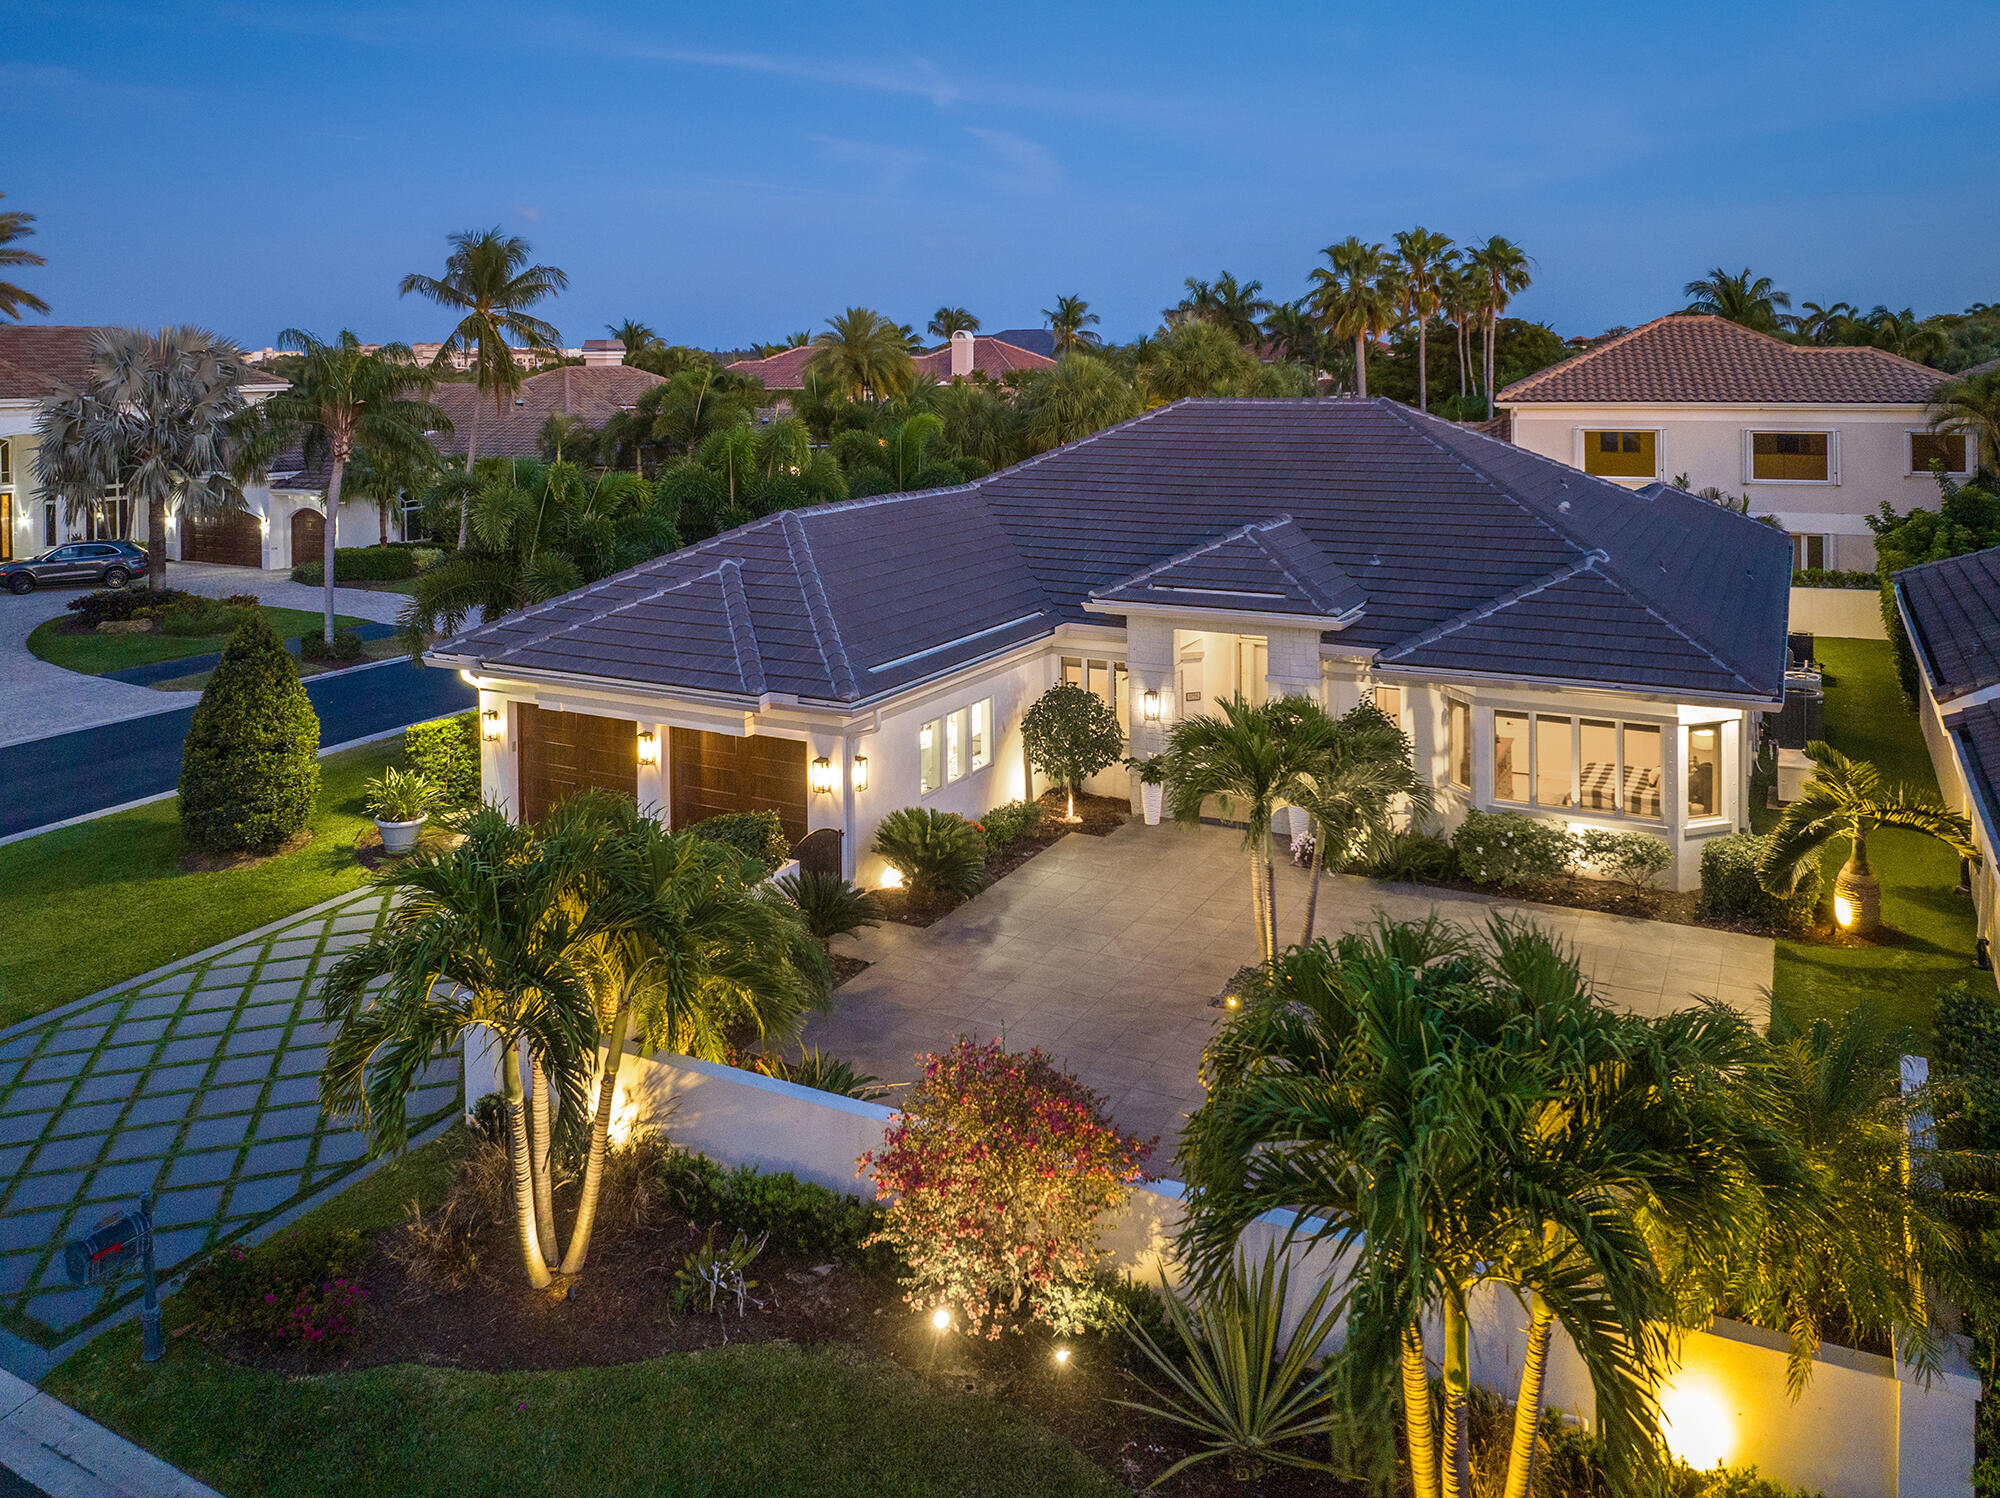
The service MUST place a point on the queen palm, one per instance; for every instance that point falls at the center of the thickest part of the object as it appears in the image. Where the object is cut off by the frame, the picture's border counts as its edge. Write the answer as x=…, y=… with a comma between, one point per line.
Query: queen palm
x=1502, y=266
x=1753, y=301
x=1351, y=791
x=1071, y=321
x=1846, y=799
x=1971, y=404
x=864, y=354
x=949, y=320
x=1426, y=258
x=16, y=225
x=343, y=400
x=156, y=413
x=487, y=279
x=1354, y=295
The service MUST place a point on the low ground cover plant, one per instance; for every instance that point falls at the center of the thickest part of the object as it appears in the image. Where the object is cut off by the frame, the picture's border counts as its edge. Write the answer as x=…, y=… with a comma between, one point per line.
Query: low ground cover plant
x=445, y=752
x=112, y=605
x=296, y=1290
x=938, y=853
x=795, y=1217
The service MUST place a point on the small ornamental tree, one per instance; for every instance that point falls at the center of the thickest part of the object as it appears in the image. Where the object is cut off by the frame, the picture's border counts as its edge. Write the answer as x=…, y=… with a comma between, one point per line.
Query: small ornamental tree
x=250, y=766
x=1069, y=735
x=997, y=1169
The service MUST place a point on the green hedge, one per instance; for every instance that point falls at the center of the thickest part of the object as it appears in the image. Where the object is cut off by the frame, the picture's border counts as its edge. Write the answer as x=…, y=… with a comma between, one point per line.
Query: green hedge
x=446, y=753
x=362, y=564
x=754, y=834
x=1731, y=891
x=1828, y=577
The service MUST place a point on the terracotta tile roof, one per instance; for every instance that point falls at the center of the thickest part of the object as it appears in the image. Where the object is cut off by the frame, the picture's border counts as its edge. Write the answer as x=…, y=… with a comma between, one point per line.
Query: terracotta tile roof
x=37, y=358
x=1954, y=611
x=590, y=394
x=1702, y=360
x=1034, y=340
x=990, y=357
x=782, y=371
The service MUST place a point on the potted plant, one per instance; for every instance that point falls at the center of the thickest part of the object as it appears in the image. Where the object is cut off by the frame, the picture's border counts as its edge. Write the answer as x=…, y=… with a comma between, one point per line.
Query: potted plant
x=400, y=801
x=1152, y=773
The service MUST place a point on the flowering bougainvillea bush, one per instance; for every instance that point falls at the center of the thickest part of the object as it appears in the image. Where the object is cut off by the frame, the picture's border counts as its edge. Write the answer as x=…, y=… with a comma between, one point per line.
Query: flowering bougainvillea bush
x=296, y=1290
x=996, y=1170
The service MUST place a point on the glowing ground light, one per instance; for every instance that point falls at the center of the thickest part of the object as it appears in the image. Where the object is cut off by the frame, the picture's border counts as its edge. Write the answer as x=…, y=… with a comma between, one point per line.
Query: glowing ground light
x=1845, y=912
x=1699, y=1428
x=1062, y=1356
x=1231, y=1002
x=941, y=1320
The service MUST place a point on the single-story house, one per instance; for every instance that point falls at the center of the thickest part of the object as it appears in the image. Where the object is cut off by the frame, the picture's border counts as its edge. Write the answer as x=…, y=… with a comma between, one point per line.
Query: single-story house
x=1816, y=438
x=1952, y=612
x=1555, y=643
x=964, y=356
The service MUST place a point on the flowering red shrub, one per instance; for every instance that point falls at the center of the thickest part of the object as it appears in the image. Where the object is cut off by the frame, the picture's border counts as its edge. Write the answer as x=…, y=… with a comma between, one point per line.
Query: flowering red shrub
x=295, y=1290
x=997, y=1168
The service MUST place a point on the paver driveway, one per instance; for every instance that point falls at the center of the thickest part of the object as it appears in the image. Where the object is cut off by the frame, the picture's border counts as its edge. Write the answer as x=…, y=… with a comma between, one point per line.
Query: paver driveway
x=199, y=1082
x=1108, y=952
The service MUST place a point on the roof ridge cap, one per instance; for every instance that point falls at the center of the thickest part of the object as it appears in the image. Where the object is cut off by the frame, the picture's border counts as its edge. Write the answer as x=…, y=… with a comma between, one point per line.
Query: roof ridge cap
x=736, y=611
x=1491, y=607
x=1406, y=415
x=1241, y=532
x=839, y=667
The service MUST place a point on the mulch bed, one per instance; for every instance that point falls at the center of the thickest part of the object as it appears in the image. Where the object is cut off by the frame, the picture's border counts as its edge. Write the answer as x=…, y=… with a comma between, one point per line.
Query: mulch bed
x=845, y=967
x=1097, y=816
x=201, y=861
x=369, y=853
x=1677, y=907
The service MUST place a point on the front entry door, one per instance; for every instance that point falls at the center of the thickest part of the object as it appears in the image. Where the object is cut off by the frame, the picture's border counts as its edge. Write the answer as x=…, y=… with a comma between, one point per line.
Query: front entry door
x=565, y=752
x=715, y=773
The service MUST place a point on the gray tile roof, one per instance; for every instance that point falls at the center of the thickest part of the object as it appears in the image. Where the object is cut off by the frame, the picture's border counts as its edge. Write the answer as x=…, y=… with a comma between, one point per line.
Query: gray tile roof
x=1470, y=556
x=1266, y=568
x=1954, y=612
x=1976, y=731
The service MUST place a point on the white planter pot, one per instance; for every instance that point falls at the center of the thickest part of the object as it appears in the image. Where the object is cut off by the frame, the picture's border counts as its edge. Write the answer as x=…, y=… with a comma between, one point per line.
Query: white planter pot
x=400, y=837
x=1151, y=798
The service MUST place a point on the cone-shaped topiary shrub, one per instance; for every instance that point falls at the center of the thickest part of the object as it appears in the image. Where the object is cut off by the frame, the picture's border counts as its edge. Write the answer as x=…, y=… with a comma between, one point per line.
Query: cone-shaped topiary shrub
x=250, y=767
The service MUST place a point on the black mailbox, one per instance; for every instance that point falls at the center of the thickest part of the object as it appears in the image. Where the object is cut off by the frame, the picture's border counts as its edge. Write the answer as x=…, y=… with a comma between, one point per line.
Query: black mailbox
x=112, y=1246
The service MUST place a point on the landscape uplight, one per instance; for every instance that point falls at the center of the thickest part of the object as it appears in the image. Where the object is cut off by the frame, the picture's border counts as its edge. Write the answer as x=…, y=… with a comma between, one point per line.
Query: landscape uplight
x=1062, y=1357
x=822, y=776
x=649, y=748
x=1845, y=912
x=941, y=1320
x=1696, y=1424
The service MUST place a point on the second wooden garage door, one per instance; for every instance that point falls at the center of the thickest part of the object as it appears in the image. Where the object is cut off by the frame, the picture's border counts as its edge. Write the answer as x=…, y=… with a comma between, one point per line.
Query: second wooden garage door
x=714, y=773
x=234, y=537
x=309, y=537
x=564, y=752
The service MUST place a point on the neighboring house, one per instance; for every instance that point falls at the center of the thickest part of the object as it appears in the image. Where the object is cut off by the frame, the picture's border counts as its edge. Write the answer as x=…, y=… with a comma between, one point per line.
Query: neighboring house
x=1816, y=438
x=1952, y=612
x=1035, y=340
x=965, y=356
x=1554, y=643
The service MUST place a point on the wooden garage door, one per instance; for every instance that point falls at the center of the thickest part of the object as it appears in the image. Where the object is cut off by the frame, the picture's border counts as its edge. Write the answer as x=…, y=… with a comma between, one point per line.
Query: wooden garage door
x=714, y=773
x=233, y=537
x=564, y=752
x=308, y=536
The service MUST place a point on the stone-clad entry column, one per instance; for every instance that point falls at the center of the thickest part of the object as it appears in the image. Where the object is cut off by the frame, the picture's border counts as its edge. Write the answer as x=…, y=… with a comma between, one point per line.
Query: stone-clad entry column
x=1293, y=665
x=1149, y=667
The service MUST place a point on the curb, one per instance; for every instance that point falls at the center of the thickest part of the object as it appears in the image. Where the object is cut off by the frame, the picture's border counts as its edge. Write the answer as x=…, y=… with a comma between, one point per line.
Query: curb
x=65, y=1455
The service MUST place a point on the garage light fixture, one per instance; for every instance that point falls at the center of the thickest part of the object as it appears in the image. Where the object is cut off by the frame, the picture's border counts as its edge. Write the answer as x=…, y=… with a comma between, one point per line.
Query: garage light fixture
x=861, y=772
x=1149, y=707
x=649, y=747
x=822, y=776
x=489, y=725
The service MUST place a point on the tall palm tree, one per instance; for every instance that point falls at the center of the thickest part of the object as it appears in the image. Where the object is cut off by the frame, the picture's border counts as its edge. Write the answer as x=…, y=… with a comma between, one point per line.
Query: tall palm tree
x=949, y=320
x=635, y=335
x=1080, y=395
x=387, y=481
x=487, y=279
x=343, y=400
x=1753, y=301
x=1460, y=294
x=1228, y=304
x=1365, y=767
x=1825, y=325
x=1971, y=404
x=1501, y=264
x=1071, y=321
x=1845, y=798
x=865, y=354
x=13, y=226
x=1907, y=335
x=1426, y=259
x=155, y=413
x=1355, y=297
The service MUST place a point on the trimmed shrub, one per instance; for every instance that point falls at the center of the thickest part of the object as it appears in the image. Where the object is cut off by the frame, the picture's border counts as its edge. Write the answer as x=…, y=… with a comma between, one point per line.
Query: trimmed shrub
x=250, y=766
x=445, y=751
x=295, y=1290
x=754, y=834
x=114, y=605
x=1070, y=734
x=1731, y=890
x=362, y=564
x=1828, y=577
x=193, y=615
x=997, y=1168
x=1510, y=848
x=1006, y=825
x=346, y=646
x=936, y=852
x=1409, y=857
x=802, y=1219
x=1635, y=859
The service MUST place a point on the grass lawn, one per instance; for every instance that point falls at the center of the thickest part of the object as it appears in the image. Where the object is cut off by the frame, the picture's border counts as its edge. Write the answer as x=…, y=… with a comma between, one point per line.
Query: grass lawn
x=105, y=900
x=1931, y=948
x=94, y=654
x=766, y=1418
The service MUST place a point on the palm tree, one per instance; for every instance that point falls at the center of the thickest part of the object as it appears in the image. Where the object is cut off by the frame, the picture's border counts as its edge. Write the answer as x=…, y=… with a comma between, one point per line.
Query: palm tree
x=1229, y=305
x=343, y=400
x=1354, y=295
x=1351, y=790
x=13, y=298
x=156, y=414
x=864, y=354
x=1907, y=335
x=635, y=335
x=1199, y=357
x=1460, y=294
x=949, y=320
x=563, y=430
x=1291, y=332
x=1825, y=325
x=1252, y=760
x=1845, y=798
x=1071, y=320
x=1971, y=404
x=1426, y=259
x=387, y=481
x=1742, y=298
x=683, y=413
x=487, y=278
x=1080, y=395
x=1501, y=264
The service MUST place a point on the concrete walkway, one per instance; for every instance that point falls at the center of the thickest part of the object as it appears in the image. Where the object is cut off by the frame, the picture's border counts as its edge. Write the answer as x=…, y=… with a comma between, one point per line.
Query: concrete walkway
x=1108, y=952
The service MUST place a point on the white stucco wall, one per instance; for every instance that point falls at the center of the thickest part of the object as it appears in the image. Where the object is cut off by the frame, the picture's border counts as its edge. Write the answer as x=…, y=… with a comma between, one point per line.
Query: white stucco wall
x=1838, y=613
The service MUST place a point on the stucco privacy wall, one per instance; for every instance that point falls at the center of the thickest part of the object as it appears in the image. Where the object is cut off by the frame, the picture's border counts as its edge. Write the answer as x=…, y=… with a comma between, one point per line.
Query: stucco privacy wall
x=1838, y=613
x=1861, y=1430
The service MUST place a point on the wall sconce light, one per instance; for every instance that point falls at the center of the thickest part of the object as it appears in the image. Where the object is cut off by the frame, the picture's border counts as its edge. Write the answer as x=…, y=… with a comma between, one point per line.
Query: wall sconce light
x=489, y=725
x=822, y=776
x=861, y=772
x=649, y=747
x=1149, y=707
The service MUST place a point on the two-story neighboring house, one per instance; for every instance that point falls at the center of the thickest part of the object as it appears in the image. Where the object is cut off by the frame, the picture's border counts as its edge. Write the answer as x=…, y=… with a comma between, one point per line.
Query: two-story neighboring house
x=1815, y=438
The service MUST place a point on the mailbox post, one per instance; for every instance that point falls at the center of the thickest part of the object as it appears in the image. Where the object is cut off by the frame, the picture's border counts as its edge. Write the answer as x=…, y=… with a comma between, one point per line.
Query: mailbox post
x=101, y=1253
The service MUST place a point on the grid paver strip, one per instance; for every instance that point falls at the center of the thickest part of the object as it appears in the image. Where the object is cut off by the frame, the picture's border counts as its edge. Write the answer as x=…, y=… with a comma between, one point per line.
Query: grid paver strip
x=198, y=1081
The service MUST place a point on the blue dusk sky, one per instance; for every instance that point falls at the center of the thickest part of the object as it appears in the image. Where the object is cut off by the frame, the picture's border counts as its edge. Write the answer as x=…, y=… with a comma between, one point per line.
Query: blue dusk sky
x=729, y=174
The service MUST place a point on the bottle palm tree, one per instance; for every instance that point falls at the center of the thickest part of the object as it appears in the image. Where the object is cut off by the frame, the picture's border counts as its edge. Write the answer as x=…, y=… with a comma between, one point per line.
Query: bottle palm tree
x=1354, y=295
x=1501, y=264
x=1426, y=259
x=949, y=320
x=344, y=399
x=1071, y=321
x=635, y=335
x=1845, y=798
x=1753, y=301
x=864, y=354
x=156, y=413
x=1971, y=404
x=488, y=279
x=13, y=226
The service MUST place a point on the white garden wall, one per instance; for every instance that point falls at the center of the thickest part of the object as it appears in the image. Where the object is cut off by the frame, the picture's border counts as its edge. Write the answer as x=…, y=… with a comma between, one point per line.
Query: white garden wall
x=1862, y=1429
x=1838, y=613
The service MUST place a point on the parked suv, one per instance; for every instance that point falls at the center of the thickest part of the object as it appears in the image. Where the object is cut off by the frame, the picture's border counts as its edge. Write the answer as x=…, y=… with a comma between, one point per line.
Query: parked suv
x=112, y=563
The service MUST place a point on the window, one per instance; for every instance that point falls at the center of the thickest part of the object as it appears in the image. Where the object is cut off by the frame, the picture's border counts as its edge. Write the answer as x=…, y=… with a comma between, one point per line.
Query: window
x=979, y=739
x=1808, y=553
x=1620, y=455
x=48, y=522
x=1791, y=457
x=6, y=462
x=930, y=757
x=6, y=501
x=1390, y=701
x=1104, y=679
x=1592, y=764
x=1555, y=760
x=1460, y=715
x=1510, y=756
x=1705, y=771
x=110, y=518
x=1641, y=776
x=1926, y=448
x=953, y=746
x=1597, y=753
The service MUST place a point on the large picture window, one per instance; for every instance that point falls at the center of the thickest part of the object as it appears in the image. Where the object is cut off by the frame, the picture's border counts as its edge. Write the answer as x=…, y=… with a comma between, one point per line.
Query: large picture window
x=1564, y=763
x=1791, y=457
x=1621, y=455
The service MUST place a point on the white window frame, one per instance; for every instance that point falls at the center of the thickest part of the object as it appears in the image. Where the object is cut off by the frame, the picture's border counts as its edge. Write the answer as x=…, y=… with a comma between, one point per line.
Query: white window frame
x=930, y=757
x=1924, y=473
x=1578, y=435
x=950, y=757
x=1453, y=706
x=1832, y=435
x=1825, y=548
x=1724, y=813
x=1575, y=810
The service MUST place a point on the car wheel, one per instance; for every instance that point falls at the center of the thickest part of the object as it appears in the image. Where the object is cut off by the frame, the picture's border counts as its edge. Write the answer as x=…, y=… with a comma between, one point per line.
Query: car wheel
x=116, y=577
x=20, y=582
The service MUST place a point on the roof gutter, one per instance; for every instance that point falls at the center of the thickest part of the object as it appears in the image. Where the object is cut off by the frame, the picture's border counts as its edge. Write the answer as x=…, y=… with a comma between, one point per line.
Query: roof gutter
x=1576, y=684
